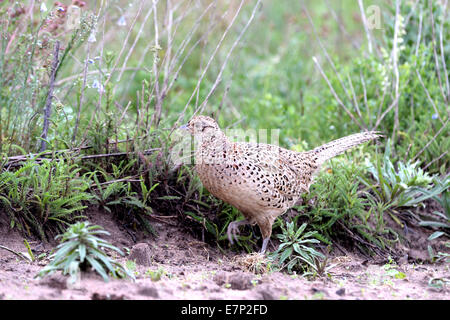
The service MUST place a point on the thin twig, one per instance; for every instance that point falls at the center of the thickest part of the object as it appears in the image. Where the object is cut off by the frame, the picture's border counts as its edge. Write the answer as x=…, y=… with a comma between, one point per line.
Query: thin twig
x=48, y=103
x=19, y=254
x=167, y=57
x=59, y=152
x=429, y=97
x=431, y=140
x=410, y=14
x=197, y=87
x=83, y=89
x=188, y=54
x=134, y=44
x=19, y=162
x=116, y=154
x=186, y=41
x=447, y=99
x=150, y=43
x=363, y=82
x=138, y=13
x=419, y=33
x=380, y=118
x=358, y=112
x=394, y=56
x=335, y=94
x=353, y=40
x=158, y=101
x=238, y=39
x=434, y=160
x=327, y=56
x=366, y=29
x=433, y=37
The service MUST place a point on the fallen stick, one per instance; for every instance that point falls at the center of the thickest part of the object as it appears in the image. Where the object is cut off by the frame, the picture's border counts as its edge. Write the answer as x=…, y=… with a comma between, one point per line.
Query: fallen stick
x=17, y=161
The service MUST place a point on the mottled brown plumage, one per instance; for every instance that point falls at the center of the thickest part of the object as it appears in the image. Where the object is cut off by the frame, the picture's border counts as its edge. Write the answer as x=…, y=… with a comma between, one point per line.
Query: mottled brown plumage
x=260, y=180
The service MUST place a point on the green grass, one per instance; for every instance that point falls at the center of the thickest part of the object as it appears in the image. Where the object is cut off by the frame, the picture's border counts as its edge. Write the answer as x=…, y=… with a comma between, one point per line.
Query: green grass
x=43, y=197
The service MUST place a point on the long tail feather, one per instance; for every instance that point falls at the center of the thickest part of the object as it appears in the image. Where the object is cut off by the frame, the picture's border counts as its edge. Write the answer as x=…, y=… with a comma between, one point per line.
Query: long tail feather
x=336, y=147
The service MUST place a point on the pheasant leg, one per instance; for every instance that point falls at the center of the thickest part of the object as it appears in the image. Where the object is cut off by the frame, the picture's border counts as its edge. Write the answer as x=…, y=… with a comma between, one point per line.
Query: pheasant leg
x=264, y=245
x=233, y=229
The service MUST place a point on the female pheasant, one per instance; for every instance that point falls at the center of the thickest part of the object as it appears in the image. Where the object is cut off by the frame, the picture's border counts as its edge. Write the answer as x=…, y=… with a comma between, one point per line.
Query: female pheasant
x=260, y=180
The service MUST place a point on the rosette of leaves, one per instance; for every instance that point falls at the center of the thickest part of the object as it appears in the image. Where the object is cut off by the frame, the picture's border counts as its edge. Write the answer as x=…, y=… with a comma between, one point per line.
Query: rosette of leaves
x=396, y=188
x=80, y=249
x=295, y=251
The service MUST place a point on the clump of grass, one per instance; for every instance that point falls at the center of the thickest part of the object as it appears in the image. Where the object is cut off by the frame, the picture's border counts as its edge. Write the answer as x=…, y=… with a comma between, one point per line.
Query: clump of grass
x=436, y=219
x=337, y=208
x=396, y=191
x=396, y=188
x=440, y=256
x=155, y=275
x=255, y=262
x=80, y=249
x=41, y=197
x=119, y=191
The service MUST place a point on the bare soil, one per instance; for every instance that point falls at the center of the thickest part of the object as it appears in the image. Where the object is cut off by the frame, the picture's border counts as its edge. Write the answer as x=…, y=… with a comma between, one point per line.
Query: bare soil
x=192, y=269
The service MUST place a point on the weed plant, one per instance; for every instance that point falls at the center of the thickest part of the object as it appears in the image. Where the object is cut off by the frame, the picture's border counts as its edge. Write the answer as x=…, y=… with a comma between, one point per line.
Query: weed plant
x=80, y=249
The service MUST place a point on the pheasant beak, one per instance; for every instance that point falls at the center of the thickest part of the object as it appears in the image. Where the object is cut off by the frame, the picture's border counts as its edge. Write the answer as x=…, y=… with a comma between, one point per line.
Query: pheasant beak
x=184, y=127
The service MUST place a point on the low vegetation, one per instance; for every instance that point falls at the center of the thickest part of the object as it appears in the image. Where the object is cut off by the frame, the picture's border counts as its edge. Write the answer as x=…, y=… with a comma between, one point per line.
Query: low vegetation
x=80, y=249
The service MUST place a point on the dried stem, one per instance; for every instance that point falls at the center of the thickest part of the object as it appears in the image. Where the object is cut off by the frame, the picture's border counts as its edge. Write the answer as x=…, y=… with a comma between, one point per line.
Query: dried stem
x=395, y=67
x=441, y=40
x=124, y=64
x=431, y=140
x=238, y=39
x=335, y=94
x=138, y=13
x=429, y=97
x=352, y=40
x=81, y=99
x=48, y=103
x=435, y=160
x=355, y=102
x=327, y=56
x=366, y=29
x=209, y=62
x=436, y=59
x=419, y=33
x=158, y=101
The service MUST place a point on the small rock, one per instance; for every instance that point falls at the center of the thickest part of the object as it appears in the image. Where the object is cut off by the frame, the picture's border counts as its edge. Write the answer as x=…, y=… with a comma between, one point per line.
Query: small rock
x=149, y=291
x=141, y=254
x=418, y=255
x=237, y=280
x=403, y=259
x=56, y=282
x=266, y=292
x=340, y=292
x=101, y=296
x=319, y=291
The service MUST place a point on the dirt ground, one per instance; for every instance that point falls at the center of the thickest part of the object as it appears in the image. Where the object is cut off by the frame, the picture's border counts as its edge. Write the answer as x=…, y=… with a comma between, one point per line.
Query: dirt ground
x=191, y=269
